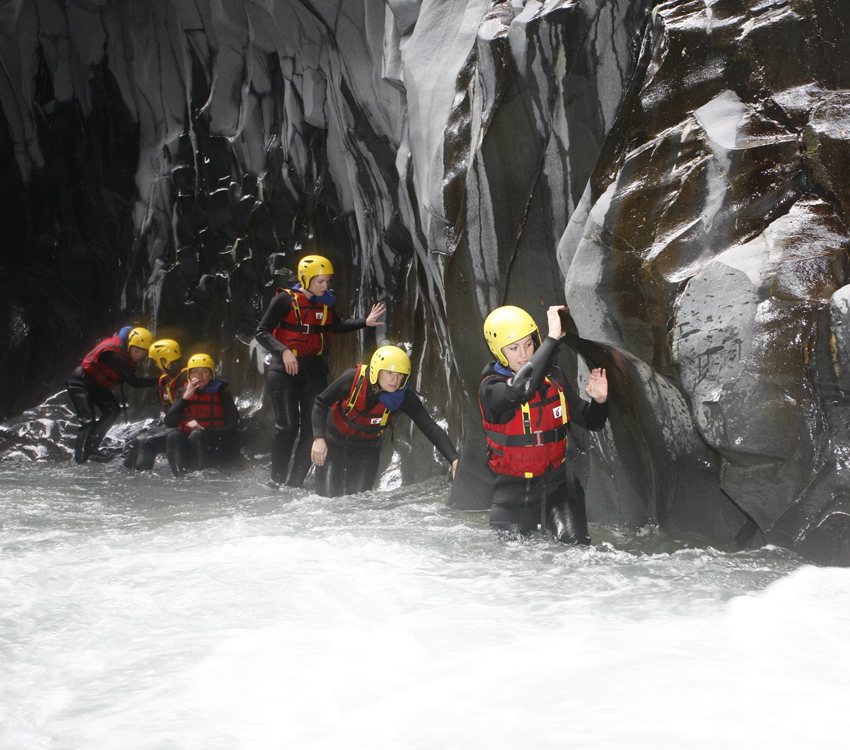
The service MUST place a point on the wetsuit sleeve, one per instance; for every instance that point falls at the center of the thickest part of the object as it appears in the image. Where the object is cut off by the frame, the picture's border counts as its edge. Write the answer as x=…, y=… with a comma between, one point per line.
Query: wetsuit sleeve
x=122, y=366
x=588, y=414
x=499, y=398
x=277, y=311
x=175, y=413
x=413, y=407
x=230, y=416
x=336, y=391
x=346, y=325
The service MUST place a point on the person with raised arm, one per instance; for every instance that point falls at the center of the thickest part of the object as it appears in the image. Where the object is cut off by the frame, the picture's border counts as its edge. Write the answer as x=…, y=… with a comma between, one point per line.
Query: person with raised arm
x=296, y=329
x=527, y=408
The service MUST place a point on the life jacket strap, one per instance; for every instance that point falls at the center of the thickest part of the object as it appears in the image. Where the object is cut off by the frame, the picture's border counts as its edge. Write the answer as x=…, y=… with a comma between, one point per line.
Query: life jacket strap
x=540, y=437
x=355, y=391
x=303, y=328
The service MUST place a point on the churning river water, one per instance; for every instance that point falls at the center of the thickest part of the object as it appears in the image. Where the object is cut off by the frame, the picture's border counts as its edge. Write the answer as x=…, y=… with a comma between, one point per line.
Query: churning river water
x=213, y=612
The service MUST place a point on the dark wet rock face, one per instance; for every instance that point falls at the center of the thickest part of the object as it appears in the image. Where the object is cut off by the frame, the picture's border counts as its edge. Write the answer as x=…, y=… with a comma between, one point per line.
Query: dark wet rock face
x=679, y=168
x=713, y=249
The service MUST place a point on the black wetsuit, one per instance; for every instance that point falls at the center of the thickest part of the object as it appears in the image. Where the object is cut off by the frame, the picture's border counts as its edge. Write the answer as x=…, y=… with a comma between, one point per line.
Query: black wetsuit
x=517, y=501
x=86, y=396
x=145, y=446
x=198, y=449
x=292, y=396
x=352, y=461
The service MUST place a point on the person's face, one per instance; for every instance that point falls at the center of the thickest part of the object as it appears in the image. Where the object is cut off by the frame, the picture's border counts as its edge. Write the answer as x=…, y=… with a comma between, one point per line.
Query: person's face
x=201, y=376
x=390, y=381
x=319, y=284
x=519, y=352
x=137, y=354
x=171, y=368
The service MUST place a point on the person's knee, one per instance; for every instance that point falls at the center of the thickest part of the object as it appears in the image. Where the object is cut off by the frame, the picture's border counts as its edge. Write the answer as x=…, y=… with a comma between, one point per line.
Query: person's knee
x=286, y=431
x=174, y=439
x=197, y=437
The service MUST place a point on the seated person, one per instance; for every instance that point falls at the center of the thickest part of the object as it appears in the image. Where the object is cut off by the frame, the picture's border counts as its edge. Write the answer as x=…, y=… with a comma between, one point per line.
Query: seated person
x=203, y=420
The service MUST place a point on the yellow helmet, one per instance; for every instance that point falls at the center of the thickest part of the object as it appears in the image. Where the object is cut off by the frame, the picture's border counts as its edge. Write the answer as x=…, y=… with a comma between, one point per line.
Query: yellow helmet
x=140, y=337
x=508, y=324
x=311, y=266
x=389, y=358
x=167, y=349
x=201, y=360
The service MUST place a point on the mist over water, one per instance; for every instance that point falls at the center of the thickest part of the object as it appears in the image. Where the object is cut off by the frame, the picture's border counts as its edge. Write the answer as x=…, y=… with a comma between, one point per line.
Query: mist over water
x=149, y=612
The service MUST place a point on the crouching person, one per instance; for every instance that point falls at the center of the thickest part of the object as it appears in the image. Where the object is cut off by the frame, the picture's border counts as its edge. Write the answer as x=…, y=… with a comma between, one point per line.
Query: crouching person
x=144, y=447
x=203, y=420
x=112, y=362
x=350, y=416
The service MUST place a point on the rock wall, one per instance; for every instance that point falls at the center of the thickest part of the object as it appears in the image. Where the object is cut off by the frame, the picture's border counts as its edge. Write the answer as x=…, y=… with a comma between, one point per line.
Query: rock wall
x=675, y=169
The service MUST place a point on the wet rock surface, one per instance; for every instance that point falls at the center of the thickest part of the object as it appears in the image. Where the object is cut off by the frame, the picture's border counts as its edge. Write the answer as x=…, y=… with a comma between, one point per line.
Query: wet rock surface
x=678, y=170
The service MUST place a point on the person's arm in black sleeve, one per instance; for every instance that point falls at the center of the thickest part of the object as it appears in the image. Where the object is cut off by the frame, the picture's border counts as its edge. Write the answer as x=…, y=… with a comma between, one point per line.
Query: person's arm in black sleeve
x=277, y=311
x=346, y=325
x=413, y=407
x=500, y=396
x=231, y=415
x=175, y=412
x=591, y=415
x=336, y=391
x=122, y=366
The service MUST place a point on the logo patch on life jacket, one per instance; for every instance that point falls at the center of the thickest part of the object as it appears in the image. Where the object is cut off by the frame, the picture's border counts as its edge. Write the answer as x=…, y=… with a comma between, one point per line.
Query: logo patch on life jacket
x=375, y=420
x=320, y=315
x=558, y=411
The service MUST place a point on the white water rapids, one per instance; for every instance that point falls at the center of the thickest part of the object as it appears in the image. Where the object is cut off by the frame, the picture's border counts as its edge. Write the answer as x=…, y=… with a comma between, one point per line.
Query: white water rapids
x=212, y=612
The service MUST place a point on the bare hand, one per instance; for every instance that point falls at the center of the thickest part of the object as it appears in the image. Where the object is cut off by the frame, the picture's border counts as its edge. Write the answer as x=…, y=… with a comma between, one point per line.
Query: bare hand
x=597, y=385
x=192, y=385
x=319, y=451
x=454, y=468
x=193, y=425
x=553, y=317
x=290, y=362
x=376, y=312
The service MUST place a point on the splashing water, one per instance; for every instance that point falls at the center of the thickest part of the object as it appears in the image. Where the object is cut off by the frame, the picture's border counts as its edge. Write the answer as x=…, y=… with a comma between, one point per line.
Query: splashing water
x=148, y=612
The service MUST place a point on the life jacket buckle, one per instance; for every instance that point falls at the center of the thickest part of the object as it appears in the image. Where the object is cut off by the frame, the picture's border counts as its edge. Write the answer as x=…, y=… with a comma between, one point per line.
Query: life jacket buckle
x=538, y=437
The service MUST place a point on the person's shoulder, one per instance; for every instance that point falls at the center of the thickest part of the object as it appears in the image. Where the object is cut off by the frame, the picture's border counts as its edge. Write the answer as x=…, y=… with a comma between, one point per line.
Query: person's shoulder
x=557, y=372
x=489, y=374
x=411, y=395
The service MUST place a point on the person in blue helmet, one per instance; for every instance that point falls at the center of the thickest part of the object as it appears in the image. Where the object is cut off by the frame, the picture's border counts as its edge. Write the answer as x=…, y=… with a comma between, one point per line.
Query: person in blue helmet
x=113, y=361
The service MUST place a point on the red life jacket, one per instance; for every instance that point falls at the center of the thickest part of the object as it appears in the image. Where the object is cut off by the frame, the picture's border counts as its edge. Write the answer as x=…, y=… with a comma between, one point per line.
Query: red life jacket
x=535, y=439
x=168, y=386
x=351, y=417
x=205, y=407
x=100, y=373
x=306, y=329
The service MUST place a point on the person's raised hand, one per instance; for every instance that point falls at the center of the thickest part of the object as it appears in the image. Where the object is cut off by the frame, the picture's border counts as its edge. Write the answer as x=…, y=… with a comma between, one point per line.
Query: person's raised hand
x=553, y=317
x=373, y=318
x=597, y=385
